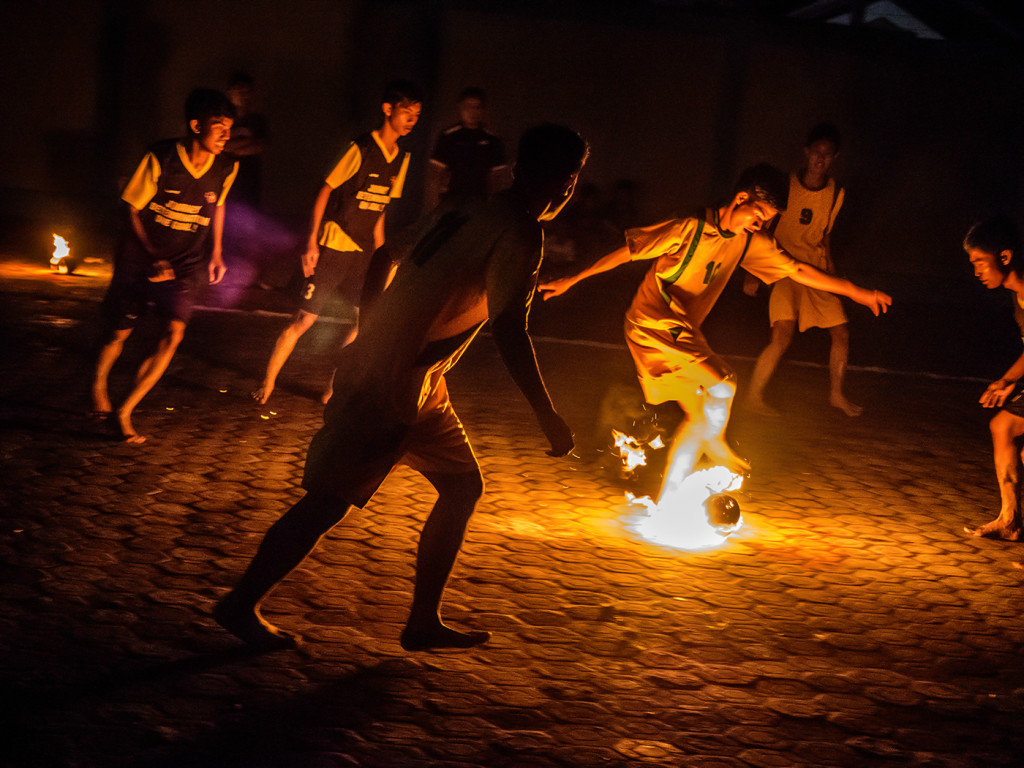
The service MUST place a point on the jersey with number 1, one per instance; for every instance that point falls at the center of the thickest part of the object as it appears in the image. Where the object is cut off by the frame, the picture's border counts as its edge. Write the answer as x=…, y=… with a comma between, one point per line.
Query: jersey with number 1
x=694, y=259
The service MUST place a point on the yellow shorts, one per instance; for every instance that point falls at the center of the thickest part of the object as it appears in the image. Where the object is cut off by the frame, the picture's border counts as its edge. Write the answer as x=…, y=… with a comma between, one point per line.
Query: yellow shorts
x=671, y=362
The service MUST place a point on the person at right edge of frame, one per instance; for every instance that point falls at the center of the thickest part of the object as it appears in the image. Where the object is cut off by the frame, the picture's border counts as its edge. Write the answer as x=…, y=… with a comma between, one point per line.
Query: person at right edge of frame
x=804, y=230
x=993, y=247
x=473, y=260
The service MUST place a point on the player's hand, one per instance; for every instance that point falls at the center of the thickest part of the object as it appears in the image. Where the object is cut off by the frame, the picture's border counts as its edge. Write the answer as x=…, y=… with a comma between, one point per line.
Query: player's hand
x=558, y=434
x=217, y=271
x=995, y=394
x=162, y=271
x=555, y=288
x=877, y=301
x=309, y=260
x=750, y=284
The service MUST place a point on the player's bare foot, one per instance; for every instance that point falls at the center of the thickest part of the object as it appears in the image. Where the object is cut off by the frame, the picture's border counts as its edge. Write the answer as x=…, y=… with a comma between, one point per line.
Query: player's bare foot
x=128, y=433
x=262, y=393
x=850, y=409
x=440, y=636
x=759, y=407
x=251, y=628
x=997, y=529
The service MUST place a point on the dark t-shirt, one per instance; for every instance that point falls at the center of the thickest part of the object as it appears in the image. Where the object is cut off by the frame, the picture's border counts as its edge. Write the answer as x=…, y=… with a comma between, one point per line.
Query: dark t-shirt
x=248, y=186
x=469, y=154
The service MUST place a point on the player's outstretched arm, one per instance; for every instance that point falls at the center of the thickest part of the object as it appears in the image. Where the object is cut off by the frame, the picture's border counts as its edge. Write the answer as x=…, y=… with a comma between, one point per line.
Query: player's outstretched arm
x=877, y=301
x=609, y=261
x=516, y=350
x=511, y=281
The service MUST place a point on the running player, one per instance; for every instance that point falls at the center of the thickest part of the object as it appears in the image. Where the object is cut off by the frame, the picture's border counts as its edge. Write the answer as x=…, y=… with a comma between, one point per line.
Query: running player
x=348, y=223
x=803, y=230
x=474, y=260
x=175, y=199
x=694, y=259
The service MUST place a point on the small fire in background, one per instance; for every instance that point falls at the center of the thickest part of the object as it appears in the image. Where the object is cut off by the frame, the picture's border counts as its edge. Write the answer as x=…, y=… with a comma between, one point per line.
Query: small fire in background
x=697, y=514
x=61, y=262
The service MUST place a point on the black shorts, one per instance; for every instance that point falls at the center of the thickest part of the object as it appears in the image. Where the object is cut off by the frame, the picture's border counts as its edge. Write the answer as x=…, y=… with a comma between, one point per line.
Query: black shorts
x=131, y=293
x=338, y=276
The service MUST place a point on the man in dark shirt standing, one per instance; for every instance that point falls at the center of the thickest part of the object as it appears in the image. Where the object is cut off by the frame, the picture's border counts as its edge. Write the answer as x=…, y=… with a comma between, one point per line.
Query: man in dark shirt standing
x=467, y=158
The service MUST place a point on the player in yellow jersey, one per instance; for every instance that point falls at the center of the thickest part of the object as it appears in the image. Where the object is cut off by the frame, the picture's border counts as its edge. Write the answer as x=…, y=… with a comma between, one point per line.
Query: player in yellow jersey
x=693, y=260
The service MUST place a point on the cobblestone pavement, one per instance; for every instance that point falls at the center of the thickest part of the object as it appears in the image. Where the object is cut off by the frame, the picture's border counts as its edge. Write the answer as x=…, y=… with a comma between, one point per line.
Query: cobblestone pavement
x=849, y=622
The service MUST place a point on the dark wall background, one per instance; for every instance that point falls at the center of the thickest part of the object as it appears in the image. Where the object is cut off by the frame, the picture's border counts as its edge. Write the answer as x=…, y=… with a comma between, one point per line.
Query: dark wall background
x=674, y=101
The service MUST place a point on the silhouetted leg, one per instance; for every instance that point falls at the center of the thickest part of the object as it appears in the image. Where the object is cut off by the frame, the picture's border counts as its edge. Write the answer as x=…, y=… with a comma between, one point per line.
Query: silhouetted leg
x=285, y=545
x=440, y=542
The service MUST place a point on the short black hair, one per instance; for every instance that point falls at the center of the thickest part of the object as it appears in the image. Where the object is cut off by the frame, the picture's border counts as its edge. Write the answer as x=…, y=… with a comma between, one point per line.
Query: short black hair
x=548, y=155
x=766, y=183
x=472, y=92
x=995, y=235
x=826, y=132
x=402, y=91
x=204, y=103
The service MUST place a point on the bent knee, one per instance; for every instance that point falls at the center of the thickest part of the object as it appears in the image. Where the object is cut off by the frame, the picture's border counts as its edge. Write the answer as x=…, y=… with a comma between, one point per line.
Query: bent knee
x=1005, y=427
x=840, y=333
x=782, y=333
x=462, y=490
x=175, y=332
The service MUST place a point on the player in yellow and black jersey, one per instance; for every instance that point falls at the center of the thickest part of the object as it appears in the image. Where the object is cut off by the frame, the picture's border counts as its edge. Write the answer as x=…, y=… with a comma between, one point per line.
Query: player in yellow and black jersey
x=348, y=223
x=175, y=204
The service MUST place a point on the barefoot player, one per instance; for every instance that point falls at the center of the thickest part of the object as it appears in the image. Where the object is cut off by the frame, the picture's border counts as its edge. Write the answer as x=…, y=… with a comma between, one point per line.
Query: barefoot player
x=175, y=202
x=804, y=231
x=474, y=260
x=347, y=224
x=994, y=249
x=693, y=259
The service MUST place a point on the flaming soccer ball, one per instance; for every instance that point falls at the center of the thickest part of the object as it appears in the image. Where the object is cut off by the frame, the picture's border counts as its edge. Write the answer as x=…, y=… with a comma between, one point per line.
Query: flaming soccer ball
x=723, y=512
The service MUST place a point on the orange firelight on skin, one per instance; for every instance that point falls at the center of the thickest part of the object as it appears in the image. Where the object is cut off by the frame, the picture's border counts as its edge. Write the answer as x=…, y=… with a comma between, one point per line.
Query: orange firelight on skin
x=61, y=251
